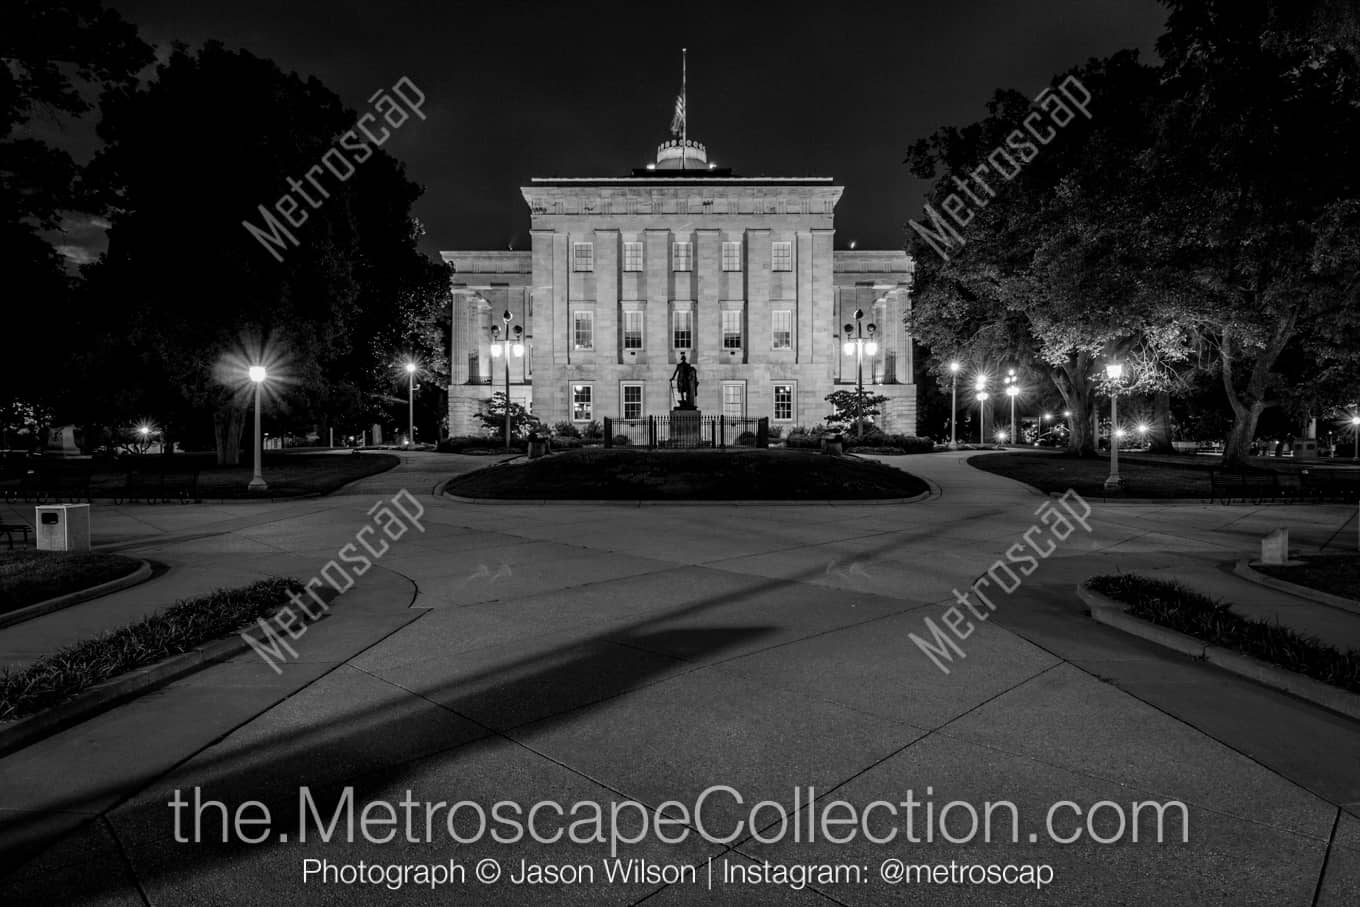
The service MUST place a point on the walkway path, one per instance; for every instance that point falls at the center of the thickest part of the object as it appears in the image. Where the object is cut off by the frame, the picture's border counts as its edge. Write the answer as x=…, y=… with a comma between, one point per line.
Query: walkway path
x=608, y=652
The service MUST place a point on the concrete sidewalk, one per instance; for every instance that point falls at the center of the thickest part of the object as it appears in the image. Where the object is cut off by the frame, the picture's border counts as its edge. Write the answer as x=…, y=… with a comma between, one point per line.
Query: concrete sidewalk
x=597, y=653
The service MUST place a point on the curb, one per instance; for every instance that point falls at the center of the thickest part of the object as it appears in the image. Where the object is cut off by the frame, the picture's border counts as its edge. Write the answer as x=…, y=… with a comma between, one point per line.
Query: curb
x=1244, y=569
x=140, y=575
x=101, y=697
x=843, y=502
x=1111, y=613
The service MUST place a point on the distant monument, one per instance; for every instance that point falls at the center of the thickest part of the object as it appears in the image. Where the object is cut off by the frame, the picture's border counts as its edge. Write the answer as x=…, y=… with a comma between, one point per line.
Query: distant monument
x=685, y=379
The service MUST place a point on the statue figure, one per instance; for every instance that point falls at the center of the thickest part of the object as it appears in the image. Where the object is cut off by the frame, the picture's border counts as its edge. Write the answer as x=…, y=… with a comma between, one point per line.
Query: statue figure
x=685, y=379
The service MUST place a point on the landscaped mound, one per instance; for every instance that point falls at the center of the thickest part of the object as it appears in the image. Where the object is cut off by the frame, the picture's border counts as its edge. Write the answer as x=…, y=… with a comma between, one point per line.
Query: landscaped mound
x=188, y=623
x=30, y=576
x=689, y=475
x=1171, y=605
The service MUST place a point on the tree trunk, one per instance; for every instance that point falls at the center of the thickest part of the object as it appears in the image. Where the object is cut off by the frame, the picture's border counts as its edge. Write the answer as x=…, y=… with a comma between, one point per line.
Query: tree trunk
x=1072, y=380
x=228, y=423
x=1248, y=403
x=1236, y=449
x=1159, y=438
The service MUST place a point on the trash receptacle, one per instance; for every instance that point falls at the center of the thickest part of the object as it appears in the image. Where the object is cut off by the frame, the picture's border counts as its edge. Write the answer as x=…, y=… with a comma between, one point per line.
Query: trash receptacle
x=62, y=527
x=1305, y=449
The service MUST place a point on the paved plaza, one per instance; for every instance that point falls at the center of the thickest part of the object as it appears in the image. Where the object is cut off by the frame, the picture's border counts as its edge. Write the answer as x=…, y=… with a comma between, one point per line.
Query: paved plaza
x=650, y=653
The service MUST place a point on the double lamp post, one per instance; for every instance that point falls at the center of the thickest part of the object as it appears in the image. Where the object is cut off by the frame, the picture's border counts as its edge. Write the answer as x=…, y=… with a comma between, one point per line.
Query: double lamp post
x=856, y=342
x=514, y=346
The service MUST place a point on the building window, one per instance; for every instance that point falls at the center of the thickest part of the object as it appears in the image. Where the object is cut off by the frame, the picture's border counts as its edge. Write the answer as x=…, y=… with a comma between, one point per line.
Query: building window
x=582, y=256
x=632, y=330
x=632, y=256
x=781, y=257
x=682, y=330
x=632, y=401
x=734, y=400
x=731, y=256
x=783, y=403
x=682, y=256
x=781, y=321
x=583, y=329
x=731, y=329
x=581, y=403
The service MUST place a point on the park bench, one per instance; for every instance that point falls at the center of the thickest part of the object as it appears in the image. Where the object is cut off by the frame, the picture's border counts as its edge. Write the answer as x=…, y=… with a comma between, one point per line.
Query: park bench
x=1322, y=485
x=152, y=483
x=39, y=482
x=1249, y=484
x=8, y=529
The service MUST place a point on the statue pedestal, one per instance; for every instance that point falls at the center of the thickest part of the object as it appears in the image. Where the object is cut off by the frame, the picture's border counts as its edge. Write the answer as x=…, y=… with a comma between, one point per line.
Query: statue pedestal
x=686, y=428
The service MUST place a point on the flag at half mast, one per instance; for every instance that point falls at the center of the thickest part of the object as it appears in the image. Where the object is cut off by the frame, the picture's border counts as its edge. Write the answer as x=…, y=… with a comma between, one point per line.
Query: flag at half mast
x=678, y=124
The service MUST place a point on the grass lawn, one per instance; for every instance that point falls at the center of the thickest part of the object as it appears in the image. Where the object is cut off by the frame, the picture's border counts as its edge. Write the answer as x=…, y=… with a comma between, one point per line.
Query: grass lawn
x=288, y=474
x=1059, y=472
x=30, y=576
x=1338, y=574
x=689, y=475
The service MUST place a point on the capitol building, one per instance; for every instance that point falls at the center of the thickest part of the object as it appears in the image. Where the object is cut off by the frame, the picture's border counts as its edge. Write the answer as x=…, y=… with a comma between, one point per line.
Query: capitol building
x=626, y=273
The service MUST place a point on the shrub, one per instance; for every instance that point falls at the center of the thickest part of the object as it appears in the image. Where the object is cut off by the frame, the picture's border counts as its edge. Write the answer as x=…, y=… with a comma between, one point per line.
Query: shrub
x=594, y=431
x=746, y=439
x=465, y=443
x=179, y=628
x=567, y=443
x=1172, y=605
x=565, y=430
x=621, y=441
x=775, y=432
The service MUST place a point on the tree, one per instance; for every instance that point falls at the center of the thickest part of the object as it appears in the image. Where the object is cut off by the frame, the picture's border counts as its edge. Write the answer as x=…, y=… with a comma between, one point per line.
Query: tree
x=200, y=298
x=851, y=407
x=1257, y=136
x=1043, y=279
x=1209, y=207
x=521, y=421
x=56, y=52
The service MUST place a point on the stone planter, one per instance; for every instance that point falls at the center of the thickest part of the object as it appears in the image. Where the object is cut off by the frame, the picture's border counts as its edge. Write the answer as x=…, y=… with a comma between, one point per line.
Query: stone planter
x=833, y=445
x=538, y=447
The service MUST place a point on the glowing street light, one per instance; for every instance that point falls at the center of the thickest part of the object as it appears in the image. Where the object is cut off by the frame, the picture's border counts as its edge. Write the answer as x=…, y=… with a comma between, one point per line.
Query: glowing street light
x=953, y=403
x=411, y=404
x=1355, y=430
x=1012, y=391
x=981, y=386
x=258, y=375
x=857, y=343
x=1114, y=371
x=517, y=348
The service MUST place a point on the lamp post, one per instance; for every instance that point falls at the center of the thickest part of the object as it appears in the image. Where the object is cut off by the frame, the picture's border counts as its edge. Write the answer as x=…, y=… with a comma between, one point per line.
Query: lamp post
x=1012, y=391
x=981, y=386
x=517, y=349
x=257, y=375
x=953, y=403
x=411, y=404
x=1114, y=371
x=857, y=343
x=1355, y=431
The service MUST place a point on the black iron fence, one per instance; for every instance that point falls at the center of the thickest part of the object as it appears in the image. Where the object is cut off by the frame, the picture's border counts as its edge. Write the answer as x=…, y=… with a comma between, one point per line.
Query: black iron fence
x=682, y=432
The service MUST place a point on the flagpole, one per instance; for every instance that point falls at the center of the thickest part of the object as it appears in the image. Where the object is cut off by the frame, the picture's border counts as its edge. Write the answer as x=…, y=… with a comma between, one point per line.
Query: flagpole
x=684, y=103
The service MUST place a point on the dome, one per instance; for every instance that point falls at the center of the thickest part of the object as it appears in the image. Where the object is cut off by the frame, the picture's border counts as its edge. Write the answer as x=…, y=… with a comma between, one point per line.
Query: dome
x=681, y=154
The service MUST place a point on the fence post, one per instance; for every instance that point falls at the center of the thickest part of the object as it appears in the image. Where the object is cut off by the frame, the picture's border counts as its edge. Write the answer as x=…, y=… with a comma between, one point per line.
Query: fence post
x=608, y=433
x=722, y=431
x=713, y=432
x=651, y=432
x=763, y=432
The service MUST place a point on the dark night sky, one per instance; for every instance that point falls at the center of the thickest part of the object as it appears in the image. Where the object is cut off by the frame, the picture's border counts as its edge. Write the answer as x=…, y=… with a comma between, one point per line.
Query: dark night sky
x=518, y=89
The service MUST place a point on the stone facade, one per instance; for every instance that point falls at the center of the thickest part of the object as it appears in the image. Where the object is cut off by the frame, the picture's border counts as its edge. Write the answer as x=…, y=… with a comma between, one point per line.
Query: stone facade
x=620, y=267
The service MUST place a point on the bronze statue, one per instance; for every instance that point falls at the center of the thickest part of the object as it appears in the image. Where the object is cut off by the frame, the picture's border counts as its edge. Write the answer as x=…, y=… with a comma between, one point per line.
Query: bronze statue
x=686, y=379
